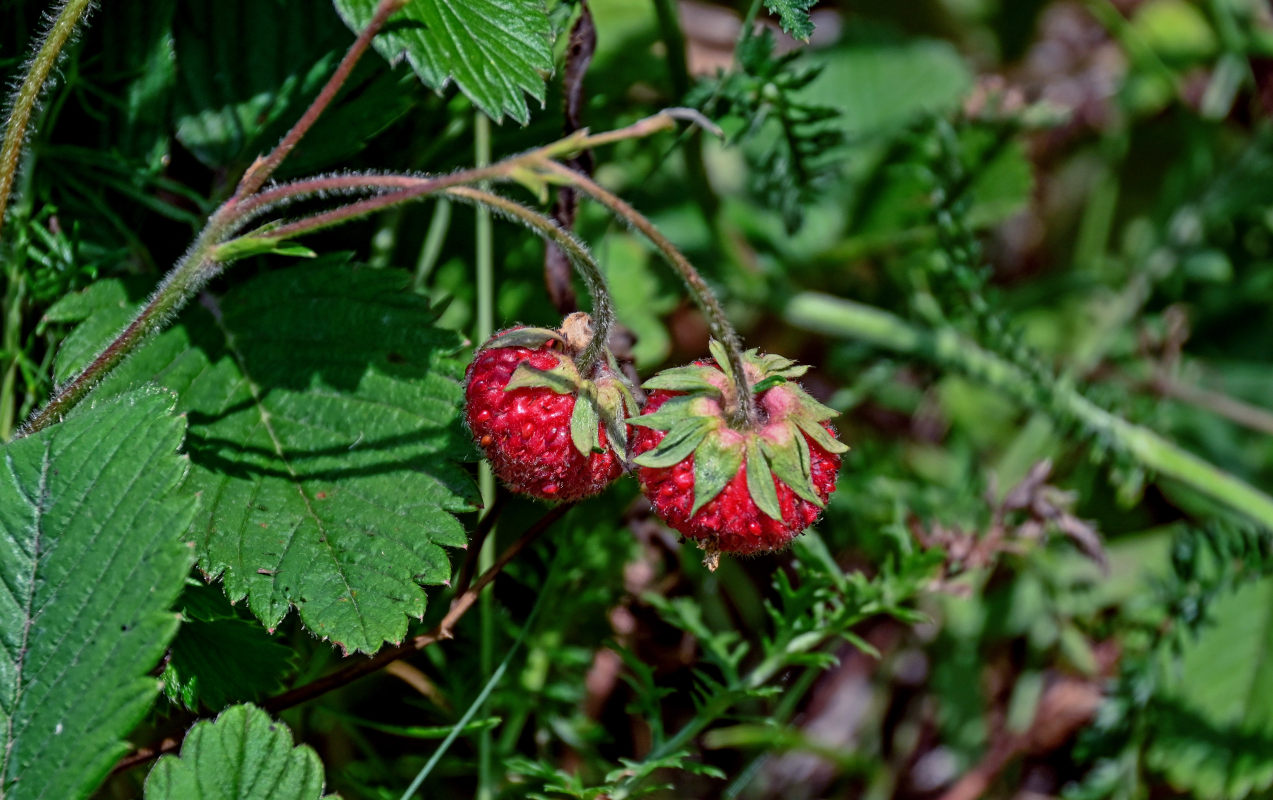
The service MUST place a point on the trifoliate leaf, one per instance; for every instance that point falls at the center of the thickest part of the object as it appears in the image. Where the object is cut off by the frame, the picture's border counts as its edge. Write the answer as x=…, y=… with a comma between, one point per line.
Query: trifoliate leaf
x=760, y=481
x=241, y=755
x=324, y=438
x=793, y=16
x=679, y=442
x=692, y=378
x=585, y=425
x=494, y=50
x=820, y=435
x=716, y=462
x=562, y=378
x=91, y=559
x=790, y=461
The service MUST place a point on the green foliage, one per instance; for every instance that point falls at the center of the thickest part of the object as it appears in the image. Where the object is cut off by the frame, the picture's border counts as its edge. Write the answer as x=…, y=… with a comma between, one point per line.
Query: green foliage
x=91, y=566
x=496, y=51
x=241, y=755
x=793, y=15
x=221, y=655
x=324, y=433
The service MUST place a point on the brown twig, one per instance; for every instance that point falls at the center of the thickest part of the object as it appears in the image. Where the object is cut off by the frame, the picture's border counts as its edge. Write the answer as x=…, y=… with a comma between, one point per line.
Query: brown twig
x=352, y=672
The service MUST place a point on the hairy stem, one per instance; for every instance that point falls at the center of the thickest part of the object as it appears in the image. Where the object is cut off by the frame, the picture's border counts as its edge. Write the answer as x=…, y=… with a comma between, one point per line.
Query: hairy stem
x=576, y=253
x=263, y=168
x=745, y=414
x=192, y=272
x=23, y=102
x=838, y=317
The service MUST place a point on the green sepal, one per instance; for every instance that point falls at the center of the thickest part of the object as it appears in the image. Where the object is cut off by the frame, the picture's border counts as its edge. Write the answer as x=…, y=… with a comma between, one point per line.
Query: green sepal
x=693, y=378
x=721, y=355
x=715, y=465
x=820, y=435
x=534, y=338
x=760, y=481
x=615, y=402
x=670, y=413
x=680, y=441
x=809, y=408
x=585, y=425
x=562, y=379
x=768, y=383
x=792, y=464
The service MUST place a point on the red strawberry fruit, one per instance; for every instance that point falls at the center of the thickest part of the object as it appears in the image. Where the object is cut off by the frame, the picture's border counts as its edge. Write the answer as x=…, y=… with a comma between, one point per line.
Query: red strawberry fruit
x=547, y=430
x=735, y=489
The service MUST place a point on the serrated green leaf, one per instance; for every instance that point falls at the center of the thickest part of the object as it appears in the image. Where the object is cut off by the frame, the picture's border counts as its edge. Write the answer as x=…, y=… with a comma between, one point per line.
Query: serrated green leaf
x=793, y=16
x=791, y=463
x=241, y=755
x=585, y=426
x=679, y=442
x=1214, y=722
x=820, y=435
x=324, y=438
x=716, y=462
x=91, y=557
x=692, y=378
x=760, y=481
x=562, y=379
x=220, y=656
x=496, y=51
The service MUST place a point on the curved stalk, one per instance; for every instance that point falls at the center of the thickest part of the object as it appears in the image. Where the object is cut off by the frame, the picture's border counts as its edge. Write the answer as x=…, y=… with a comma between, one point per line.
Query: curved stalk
x=576, y=253
x=23, y=102
x=745, y=413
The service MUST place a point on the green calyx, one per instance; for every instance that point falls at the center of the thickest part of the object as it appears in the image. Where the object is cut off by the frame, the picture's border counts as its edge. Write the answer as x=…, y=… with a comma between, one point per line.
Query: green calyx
x=601, y=401
x=696, y=423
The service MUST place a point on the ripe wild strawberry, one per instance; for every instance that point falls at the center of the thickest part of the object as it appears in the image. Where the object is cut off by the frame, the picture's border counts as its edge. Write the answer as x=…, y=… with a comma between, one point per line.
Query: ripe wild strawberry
x=547, y=430
x=735, y=489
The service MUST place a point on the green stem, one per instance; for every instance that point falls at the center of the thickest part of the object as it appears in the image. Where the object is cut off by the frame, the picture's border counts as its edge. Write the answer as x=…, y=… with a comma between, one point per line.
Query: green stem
x=844, y=318
x=433, y=241
x=745, y=413
x=486, y=556
x=192, y=272
x=12, y=349
x=576, y=253
x=24, y=100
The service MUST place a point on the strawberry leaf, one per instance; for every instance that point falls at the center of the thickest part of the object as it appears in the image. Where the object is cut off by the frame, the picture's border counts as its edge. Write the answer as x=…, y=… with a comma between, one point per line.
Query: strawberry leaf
x=496, y=51
x=241, y=754
x=810, y=408
x=716, y=462
x=760, y=481
x=679, y=442
x=324, y=436
x=585, y=426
